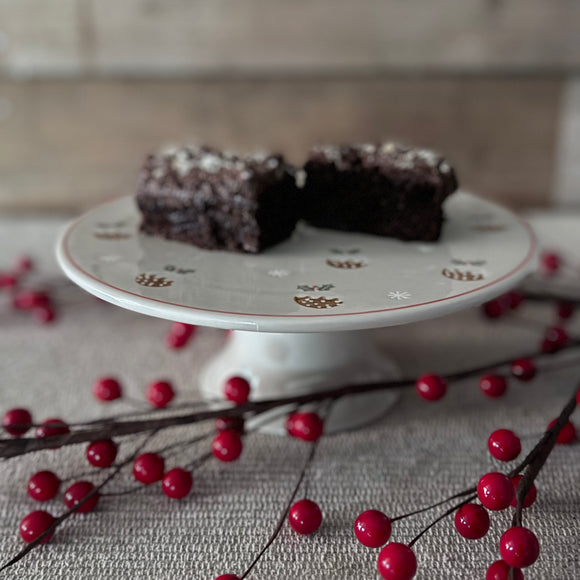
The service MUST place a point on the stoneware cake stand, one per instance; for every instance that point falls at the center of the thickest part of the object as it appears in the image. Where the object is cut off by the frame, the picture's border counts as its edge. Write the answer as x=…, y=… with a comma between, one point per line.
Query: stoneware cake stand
x=304, y=310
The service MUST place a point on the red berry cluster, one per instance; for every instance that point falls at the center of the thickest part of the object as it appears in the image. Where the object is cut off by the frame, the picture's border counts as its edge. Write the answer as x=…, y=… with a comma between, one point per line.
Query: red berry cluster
x=149, y=468
x=396, y=561
x=432, y=387
x=176, y=483
x=179, y=335
x=80, y=496
x=17, y=422
x=237, y=390
x=518, y=546
x=305, y=425
x=158, y=393
x=26, y=299
x=503, y=304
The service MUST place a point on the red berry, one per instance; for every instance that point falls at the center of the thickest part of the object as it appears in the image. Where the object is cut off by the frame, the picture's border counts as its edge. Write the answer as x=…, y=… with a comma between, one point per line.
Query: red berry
x=176, y=341
x=499, y=570
x=565, y=309
x=495, y=491
x=554, y=340
x=305, y=425
x=23, y=264
x=305, y=517
x=397, y=562
x=493, y=386
x=8, y=280
x=530, y=496
x=228, y=577
x=102, y=453
x=567, y=435
x=30, y=299
x=513, y=299
x=16, y=422
x=52, y=428
x=77, y=492
x=234, y=423
x=160, y=394
x=504, y=445
x=177, y=483
x=182, y=329
x=523, y=369
x=519, y=547
x=372, y=529
x=431, y=387
x=107, y=389
x=227, y=445
x=493, y=309
x=472, y=521
x=43, y=485
x=550, y=263
x=44, y=314
x=237, y=390
x=35, y=524
x=148, y=468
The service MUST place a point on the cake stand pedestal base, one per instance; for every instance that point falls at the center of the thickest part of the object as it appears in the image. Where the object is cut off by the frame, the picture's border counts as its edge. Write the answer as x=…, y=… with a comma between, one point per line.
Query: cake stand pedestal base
x=286, y=365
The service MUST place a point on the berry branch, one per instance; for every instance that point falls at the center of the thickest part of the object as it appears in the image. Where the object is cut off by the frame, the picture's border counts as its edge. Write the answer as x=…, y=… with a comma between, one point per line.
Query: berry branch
x=536, y=459
x=47, y=533
x=105, y=429
x=496, y=491
x=278, y=528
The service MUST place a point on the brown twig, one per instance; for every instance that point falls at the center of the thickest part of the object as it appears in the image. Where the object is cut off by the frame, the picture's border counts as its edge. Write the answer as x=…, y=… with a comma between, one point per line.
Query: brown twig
x=106, y=430
x=282, y=519
x=538, y=456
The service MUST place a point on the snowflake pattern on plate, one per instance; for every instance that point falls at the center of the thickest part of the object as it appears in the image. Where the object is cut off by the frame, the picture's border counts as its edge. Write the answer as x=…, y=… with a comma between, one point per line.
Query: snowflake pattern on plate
x=399, y=295
x=277, y=273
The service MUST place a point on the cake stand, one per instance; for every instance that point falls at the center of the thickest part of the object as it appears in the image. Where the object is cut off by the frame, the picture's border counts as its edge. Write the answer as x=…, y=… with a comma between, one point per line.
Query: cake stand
x=304, y=310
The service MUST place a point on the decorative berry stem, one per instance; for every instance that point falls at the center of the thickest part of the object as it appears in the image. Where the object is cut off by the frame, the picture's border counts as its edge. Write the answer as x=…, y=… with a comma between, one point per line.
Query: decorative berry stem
x=469, y=491
x=304, y=470
x=536, y=459
x=50, y=530
x=104, y=429
x=446, y=513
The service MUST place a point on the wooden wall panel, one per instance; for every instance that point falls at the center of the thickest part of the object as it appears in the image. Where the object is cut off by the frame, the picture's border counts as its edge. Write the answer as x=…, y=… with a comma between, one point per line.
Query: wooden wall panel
x=67, y=145
x=224, y=37
x=40, y=37
x=300, y=35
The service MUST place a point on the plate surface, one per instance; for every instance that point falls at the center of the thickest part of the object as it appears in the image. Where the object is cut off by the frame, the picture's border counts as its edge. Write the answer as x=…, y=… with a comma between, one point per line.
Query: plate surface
x=319, y=280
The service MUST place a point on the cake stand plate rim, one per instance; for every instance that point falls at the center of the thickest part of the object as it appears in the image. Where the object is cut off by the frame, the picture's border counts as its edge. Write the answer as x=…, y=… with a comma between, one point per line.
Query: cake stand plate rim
x=328, y=320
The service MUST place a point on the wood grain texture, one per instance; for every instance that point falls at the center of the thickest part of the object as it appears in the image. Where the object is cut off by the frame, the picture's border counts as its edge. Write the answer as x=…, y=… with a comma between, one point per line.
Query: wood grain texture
x=67, y=145
x=224, y=37
x=228, y=35
x=40, y=37
x=567, y=186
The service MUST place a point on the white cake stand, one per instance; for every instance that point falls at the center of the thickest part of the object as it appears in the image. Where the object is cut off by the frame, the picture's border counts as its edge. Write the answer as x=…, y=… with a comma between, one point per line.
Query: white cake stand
x=302, y=310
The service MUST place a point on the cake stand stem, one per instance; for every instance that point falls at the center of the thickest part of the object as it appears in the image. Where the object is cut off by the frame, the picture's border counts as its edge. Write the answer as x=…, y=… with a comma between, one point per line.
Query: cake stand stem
x=279, y=365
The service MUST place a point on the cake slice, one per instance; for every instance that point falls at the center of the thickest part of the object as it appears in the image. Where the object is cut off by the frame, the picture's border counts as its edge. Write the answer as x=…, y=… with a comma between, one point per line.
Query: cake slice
x=218, y=200
x=386, y=190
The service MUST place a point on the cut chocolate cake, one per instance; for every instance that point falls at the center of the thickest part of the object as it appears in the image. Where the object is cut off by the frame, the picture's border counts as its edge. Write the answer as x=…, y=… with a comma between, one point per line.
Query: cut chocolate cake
x=218, y=200
x=387, y=190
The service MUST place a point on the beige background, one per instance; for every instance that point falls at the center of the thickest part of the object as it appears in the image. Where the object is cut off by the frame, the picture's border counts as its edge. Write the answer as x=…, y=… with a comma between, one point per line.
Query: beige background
x=88, y=87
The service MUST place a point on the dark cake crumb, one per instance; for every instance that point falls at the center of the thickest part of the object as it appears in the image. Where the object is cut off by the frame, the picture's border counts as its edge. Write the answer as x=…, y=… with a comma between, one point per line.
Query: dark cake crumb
x=218, y=200
x=383, y=189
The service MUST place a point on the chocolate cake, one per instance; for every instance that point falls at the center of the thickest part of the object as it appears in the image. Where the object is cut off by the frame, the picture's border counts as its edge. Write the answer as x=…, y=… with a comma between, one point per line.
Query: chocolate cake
x=218, y=200
x=387, y=190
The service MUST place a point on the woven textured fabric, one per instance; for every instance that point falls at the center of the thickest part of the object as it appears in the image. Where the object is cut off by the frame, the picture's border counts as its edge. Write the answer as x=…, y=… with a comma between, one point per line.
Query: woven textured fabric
x=417, y=454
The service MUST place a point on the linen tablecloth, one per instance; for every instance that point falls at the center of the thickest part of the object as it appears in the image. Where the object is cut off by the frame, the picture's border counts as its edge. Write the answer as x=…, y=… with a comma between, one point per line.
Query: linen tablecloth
x=417, y=454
